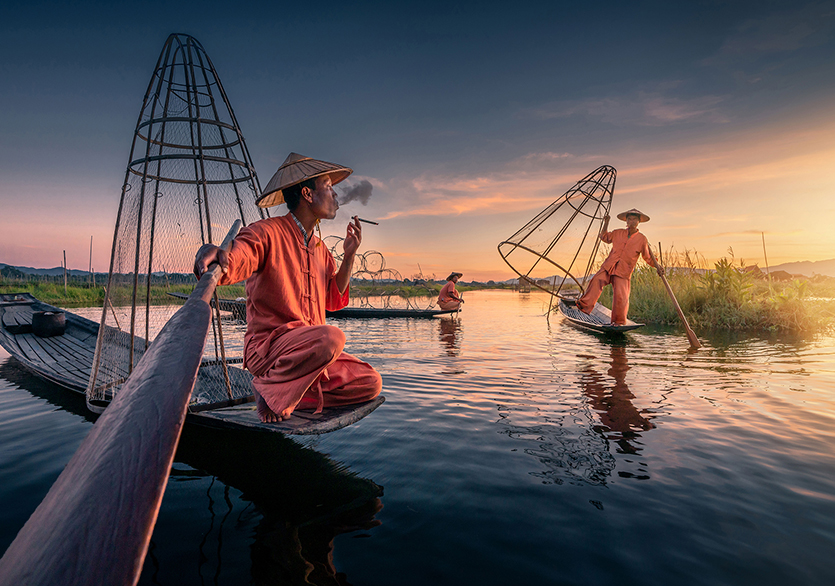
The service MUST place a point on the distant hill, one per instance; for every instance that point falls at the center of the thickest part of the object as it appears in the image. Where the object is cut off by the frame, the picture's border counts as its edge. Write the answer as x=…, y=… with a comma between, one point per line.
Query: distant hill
x=54, y=272
x=808, y=268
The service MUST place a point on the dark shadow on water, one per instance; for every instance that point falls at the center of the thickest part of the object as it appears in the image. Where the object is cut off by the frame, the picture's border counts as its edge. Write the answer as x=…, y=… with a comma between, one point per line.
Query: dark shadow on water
x=15, y=372
x=304, y=498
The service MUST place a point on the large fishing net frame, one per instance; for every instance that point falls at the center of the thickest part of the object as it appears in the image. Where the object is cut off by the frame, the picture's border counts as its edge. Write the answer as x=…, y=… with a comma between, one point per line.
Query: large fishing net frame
x=556, y=250
x=189, y=177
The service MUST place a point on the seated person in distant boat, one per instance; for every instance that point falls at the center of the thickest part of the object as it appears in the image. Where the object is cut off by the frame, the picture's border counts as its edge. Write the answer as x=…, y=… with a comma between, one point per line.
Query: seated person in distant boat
x=291, y=279
x=627, y=245
x=448, y=298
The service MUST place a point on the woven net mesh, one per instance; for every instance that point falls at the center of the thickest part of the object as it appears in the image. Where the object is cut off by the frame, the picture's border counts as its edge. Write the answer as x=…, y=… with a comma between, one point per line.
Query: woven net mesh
x=376, y=286
x=556, y=250
x=189, y=177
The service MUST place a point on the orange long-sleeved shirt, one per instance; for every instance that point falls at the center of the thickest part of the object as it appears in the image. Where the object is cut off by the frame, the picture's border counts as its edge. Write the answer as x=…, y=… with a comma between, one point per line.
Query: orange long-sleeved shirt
x=288, y=284
x=625, y=252
x=448, y=292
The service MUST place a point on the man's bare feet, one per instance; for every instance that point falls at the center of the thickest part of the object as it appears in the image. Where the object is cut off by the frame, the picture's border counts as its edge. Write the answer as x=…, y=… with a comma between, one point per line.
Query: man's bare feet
x=264, y=412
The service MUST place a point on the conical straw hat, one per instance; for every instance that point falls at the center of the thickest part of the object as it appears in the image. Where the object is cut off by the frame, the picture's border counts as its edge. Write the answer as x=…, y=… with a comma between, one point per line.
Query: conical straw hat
x=295, y=169
x=644, y=217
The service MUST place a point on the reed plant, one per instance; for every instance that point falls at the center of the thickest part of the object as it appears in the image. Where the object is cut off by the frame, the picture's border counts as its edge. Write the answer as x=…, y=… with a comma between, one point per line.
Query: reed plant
x=729, y=296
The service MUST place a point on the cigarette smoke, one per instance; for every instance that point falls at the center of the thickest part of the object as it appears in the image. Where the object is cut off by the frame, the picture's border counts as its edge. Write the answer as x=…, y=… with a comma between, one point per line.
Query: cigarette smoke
x=361, y=191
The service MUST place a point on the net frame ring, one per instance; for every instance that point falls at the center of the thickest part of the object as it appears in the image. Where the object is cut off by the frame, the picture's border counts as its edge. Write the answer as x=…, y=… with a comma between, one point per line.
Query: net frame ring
x=598, y=186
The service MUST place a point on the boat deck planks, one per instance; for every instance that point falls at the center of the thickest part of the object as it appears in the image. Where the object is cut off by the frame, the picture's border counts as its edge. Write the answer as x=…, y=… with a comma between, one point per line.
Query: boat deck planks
x=67, y=361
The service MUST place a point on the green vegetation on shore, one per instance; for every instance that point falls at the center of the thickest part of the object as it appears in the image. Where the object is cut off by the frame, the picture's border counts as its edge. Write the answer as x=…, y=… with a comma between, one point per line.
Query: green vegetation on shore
x=83, y=295
x=730, y=297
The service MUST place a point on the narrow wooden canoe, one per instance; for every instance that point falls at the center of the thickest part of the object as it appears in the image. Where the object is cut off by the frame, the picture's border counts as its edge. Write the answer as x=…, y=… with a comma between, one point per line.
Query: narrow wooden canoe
x=67, y=360
x=599, y=320
x=372, y=312
x=238, y=309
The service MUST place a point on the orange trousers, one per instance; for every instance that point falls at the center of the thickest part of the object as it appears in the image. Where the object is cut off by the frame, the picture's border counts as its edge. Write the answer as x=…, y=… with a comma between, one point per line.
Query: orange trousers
x=447, y=305
x=306, y=368
x=620, y=301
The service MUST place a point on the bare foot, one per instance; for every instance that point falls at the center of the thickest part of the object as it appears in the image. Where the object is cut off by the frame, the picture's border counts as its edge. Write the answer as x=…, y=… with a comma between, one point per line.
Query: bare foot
x=264, y=412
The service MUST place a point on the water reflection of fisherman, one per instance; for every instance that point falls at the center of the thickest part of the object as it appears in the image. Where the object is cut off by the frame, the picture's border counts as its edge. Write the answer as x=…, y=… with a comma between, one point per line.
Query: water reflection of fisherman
x=448, y=298
x=448, y=334
x=620, y=419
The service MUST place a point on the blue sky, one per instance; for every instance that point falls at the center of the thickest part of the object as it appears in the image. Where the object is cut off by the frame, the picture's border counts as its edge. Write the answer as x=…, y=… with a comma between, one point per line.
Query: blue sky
x=467, y=118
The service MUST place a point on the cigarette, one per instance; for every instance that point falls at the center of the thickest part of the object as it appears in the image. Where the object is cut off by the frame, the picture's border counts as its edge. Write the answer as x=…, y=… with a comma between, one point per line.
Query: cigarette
x=368, y=221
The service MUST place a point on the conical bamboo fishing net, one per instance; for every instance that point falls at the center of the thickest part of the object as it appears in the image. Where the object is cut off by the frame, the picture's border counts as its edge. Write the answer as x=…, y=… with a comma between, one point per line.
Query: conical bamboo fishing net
x=556, y=250
x=188, y=178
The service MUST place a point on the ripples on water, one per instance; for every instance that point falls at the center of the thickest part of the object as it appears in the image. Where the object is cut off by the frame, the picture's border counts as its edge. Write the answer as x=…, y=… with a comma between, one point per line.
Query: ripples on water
x=509, y=450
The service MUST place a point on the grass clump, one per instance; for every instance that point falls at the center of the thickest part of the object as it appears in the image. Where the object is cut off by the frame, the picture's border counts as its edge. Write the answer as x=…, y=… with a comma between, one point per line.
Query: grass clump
x=83, y=295
x=730, y=296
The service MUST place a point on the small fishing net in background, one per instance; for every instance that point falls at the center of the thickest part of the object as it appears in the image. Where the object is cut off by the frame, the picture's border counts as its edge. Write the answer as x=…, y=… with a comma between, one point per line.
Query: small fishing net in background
x=188, y=178
x=376, y=286
x=556, y=250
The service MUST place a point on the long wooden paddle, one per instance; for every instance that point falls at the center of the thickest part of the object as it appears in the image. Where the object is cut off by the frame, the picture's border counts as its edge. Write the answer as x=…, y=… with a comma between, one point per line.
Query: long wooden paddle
x=694, y=341
x=94, y=526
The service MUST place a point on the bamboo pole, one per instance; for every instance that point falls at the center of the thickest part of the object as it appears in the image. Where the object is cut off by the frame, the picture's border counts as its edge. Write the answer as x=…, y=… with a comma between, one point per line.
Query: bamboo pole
x=694, y=341
x=65, y=273
x=112, y=310
x=767, y=270
x=91, y=260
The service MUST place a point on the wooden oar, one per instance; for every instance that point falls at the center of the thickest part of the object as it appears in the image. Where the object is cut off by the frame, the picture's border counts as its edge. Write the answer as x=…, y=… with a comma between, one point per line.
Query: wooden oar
x=94, y=525
x=694, y=341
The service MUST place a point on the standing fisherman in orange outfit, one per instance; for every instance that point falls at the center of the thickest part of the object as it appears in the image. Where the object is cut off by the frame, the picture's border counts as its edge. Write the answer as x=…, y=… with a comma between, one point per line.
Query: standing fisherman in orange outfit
x=291, y=279
x=627, y=246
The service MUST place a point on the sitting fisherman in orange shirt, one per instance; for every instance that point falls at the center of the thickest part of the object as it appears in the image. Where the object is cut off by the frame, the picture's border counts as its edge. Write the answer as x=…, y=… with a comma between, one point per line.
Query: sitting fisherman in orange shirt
x=291, y=279
x=627, y=246
x=448, y=297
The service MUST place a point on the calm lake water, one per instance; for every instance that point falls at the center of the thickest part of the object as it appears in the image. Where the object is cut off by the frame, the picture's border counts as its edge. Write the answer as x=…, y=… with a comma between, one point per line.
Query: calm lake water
x=509, y=450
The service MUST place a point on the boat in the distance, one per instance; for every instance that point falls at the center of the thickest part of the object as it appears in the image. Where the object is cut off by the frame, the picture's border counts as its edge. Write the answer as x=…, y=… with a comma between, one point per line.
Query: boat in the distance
x=237, y=307
x=65, y=351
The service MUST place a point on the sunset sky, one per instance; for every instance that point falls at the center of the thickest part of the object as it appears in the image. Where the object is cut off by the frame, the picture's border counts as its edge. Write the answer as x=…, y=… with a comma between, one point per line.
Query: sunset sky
x=467, y=118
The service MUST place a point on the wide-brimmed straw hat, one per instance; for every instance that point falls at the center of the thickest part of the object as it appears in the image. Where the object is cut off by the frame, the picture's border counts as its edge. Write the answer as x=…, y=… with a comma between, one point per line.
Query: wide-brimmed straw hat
x=295, y=169
x=459, y=275
x=644, y=217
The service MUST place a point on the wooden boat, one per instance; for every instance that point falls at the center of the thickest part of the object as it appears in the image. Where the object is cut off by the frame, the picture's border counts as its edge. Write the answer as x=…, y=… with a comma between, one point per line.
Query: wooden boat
x=66, y=360
x=237, y=307
x=373, y=312
x=599, y=320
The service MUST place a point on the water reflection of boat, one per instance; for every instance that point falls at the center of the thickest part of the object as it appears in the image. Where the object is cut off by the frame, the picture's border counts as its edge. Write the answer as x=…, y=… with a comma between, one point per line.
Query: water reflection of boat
x=66, y=358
